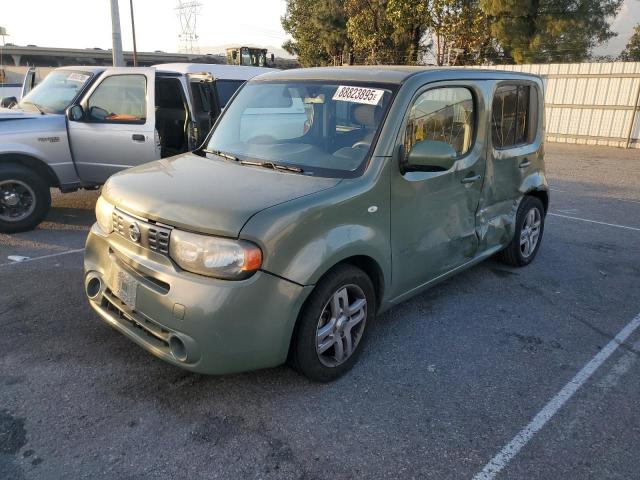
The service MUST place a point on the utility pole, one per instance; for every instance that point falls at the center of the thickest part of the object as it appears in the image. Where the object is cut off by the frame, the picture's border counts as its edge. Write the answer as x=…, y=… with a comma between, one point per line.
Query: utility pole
x=118, y=57
x=3, y=33
x=133, y=30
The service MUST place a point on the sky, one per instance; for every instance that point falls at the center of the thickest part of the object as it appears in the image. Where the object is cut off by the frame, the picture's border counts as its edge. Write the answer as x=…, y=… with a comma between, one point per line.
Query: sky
x=86, y=23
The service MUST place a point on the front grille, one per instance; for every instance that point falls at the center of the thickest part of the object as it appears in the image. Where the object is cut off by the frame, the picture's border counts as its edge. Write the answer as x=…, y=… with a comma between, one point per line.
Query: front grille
x=146, y=234
x=158, y=240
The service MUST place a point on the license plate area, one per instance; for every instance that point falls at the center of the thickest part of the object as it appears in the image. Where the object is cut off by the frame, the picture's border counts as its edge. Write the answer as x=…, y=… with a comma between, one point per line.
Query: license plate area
x=125, y=287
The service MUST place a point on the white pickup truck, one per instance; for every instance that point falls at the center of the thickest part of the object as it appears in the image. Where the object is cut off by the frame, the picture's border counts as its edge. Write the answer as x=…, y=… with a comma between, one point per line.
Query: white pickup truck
x=80, y=125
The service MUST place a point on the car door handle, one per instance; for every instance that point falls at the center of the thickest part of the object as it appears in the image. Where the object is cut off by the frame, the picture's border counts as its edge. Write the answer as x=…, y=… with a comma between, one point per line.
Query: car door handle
x=525, y=163
x=136, y=137
x=471, y=179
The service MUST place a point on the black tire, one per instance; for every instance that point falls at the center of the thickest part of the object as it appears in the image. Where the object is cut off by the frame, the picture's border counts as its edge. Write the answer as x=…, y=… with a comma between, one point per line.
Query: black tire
x=41, y=198
x=304, y=356
x=513, y=254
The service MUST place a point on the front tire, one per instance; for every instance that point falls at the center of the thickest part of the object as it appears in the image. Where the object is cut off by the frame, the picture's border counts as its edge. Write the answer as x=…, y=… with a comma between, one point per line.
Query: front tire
x=333, y=324
x=25, y=199
x=528, y=234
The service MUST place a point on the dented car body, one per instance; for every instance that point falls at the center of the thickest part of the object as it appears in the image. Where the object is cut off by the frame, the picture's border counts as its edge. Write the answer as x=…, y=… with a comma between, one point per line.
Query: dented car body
x=338, y=193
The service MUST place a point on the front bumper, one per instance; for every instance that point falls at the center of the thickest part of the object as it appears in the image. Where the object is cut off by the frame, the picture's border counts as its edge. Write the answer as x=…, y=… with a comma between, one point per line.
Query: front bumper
x=198, y=323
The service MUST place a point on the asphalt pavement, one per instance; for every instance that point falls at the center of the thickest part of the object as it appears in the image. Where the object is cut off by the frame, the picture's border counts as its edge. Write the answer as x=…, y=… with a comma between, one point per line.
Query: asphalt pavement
x=512, y=373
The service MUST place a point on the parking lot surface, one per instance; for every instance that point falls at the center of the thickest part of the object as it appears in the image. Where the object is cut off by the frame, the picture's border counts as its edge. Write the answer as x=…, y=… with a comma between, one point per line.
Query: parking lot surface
x=498, y=371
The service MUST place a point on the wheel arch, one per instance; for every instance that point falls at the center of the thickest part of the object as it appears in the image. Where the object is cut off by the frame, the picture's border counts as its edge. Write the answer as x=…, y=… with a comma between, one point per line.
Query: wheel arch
x=368, y=265
x=542, y=195
x=32, y=163
x=365, y=263
x=536, y=185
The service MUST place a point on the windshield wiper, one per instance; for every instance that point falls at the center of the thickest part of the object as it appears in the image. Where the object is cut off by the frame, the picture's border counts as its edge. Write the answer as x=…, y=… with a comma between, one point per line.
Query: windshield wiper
x=265, y=164
x=40, y=109
x=272, y=166
x=228, y=156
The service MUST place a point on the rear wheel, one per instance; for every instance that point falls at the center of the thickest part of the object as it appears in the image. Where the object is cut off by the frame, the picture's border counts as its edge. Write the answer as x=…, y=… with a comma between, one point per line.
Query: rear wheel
x=528, y=235
x=24, y=198
x=332, y=326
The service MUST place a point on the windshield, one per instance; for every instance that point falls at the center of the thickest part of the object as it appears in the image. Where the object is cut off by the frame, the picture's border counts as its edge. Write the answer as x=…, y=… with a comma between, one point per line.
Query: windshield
x=56, y=91
x=324, y=129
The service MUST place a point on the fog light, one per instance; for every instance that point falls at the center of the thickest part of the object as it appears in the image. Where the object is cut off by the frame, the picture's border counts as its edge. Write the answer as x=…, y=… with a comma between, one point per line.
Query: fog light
x=93, y=287
x=178, y=349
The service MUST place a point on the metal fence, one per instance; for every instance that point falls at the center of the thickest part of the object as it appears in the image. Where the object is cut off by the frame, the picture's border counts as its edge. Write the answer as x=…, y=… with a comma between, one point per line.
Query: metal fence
x=590, y=103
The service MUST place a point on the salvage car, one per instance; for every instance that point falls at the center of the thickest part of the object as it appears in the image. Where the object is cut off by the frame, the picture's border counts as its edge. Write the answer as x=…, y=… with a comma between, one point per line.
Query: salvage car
x=83, y=124
x=321, y=198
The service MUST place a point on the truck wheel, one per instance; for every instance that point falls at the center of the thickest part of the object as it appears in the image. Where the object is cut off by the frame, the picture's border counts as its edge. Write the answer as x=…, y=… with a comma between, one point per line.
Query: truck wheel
x=528, y=235
x=25, y=198
x=332, y=326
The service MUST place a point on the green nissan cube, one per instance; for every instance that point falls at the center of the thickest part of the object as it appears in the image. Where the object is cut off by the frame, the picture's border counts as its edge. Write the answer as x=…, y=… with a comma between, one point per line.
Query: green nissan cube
x=321, y=198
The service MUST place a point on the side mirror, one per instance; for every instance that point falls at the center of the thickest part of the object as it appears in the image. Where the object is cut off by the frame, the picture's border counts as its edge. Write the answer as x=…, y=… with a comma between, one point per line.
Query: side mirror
x=430, y=156
x=8, y=102
x=75, y=113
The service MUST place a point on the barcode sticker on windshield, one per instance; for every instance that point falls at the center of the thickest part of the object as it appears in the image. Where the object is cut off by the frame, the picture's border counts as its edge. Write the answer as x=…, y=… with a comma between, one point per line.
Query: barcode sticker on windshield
x=77, y=77
x=369, y=96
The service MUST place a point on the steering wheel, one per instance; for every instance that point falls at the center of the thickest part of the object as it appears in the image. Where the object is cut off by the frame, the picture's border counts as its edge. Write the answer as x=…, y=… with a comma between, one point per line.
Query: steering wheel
x=361, y=144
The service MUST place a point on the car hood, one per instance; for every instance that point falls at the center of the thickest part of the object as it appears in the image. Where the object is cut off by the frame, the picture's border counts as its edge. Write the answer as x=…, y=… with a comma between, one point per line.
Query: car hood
x=17, y=114
x=17, y=121
x=207, y=195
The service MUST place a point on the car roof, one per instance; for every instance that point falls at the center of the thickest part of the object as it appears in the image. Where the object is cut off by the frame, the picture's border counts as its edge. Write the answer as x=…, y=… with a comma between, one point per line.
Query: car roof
x=235, y=72
x=84, y=68
x=231, y=72
x=391, y=74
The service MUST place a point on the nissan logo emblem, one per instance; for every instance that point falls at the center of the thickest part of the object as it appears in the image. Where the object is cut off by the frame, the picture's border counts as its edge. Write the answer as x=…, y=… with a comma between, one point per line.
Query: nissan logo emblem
x=134, y=232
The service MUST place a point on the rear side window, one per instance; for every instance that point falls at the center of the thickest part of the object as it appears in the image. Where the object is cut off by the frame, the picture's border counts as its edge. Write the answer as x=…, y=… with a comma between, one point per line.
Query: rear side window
x=119, y=99
x=444, y=115
x=226, y=89
x=511, y=118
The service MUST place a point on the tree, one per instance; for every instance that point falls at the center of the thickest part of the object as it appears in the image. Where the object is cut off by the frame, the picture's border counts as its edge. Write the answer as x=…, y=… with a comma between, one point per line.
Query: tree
x=542, y=31
x=319, y=32
x=460, y=30
x=631, y=53
x=386, y=31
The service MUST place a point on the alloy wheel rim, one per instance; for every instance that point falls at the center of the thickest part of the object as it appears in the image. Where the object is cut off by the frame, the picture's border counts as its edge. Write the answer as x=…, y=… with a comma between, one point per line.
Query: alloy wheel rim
x=530, y=232
x=341, y=325
x=17, y=200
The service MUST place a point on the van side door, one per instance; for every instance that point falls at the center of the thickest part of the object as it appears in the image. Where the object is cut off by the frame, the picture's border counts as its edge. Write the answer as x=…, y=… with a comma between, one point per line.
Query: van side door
x=515, y=153
x=204, y=105
x=117, y=129
x=433, y=219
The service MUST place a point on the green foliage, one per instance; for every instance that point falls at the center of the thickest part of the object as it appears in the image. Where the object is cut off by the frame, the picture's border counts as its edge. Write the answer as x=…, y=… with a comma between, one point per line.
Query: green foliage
x=542, y=31
x=457, y=32
x=386, y=31
x=318, y=28
x=461, y=32
x=631, y=53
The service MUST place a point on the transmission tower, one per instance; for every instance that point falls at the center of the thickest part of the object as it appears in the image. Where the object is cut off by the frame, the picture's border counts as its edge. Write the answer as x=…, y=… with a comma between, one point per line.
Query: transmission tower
x=188, y=37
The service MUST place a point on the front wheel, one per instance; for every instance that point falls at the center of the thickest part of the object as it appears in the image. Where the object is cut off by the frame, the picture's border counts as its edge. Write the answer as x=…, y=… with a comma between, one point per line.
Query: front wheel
x=24, y=199
x=332, y=326
x=528, y=234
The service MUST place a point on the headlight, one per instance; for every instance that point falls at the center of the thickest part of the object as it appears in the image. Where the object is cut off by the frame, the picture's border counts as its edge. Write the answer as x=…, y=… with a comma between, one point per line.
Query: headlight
x=104, y=215
x=214, y=256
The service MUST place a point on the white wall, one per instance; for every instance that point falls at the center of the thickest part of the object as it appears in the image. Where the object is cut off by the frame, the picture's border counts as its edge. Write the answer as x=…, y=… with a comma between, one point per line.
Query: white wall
x=589, y=103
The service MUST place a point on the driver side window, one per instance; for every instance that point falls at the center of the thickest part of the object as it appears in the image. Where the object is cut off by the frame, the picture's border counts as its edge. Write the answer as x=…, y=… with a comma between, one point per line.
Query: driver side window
x=442, y=114
x=119, y=99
